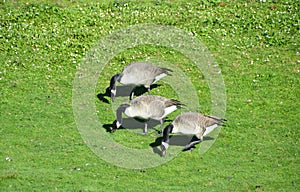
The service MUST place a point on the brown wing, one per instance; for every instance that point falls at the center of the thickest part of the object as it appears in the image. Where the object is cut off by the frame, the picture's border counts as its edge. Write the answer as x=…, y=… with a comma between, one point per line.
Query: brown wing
x=143, y=73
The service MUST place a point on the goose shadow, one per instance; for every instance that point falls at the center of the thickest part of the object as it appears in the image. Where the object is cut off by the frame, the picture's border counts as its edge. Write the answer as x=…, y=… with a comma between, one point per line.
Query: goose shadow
x=133, y=124
x=101, y=96
x=140, y=90
x=177, y=140
x=123, y=91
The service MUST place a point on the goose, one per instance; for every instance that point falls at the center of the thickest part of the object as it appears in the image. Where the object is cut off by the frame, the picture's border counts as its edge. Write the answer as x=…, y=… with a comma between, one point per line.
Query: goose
x=137, y=74
x=189, y=123
x=146, y=107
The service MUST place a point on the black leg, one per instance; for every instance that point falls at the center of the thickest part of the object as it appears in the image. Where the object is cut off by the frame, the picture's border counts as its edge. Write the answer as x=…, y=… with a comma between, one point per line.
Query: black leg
x=162, y=122
x=148, y=90
x=191, y=144
x=145, y=129
x=161, y=125
x=131, y=94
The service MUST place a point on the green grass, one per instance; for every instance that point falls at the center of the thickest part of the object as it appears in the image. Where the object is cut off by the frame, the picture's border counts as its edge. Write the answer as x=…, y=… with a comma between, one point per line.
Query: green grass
x=256, y=44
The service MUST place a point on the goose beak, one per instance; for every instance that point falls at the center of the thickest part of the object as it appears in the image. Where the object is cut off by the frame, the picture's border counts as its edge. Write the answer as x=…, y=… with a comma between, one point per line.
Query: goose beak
x=114, y=126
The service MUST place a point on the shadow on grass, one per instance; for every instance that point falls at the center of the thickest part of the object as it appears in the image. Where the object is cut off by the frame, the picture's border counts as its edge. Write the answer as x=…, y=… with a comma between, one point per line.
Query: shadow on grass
x=108, y=127
x=123, y=91
x=178, y=140
x=101, y=96
x=132, y=124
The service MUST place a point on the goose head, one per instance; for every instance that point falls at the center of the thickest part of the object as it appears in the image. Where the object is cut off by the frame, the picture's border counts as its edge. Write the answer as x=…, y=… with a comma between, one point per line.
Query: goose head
x=165, y=143
x=118, y=123
x=112, y=87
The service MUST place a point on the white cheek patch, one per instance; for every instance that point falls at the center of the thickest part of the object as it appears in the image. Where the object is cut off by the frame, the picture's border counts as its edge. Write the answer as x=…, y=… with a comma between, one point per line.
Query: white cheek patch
x=166, y=145
x=114, y=91
x=118, y=124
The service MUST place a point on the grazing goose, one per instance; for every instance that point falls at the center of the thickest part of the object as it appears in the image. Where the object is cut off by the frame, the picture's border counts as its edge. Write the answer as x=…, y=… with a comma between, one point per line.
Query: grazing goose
x=189, y=123
x=146, y=107
x=137, y=74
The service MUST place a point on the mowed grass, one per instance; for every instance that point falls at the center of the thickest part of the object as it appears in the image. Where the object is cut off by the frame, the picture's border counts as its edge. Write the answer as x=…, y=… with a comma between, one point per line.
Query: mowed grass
x=256, y=44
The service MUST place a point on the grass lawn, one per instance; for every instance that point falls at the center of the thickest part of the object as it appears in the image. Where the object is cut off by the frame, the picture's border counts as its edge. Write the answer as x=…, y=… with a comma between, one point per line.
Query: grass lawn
x=255, y=44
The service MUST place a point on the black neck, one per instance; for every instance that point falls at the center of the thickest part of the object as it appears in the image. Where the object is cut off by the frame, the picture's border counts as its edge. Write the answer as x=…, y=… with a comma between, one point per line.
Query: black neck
x=121, y=109
x=167, y=130
x=113, y=81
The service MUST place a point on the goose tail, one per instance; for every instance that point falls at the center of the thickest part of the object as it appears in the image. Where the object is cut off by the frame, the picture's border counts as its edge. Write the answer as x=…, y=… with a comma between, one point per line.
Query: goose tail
x=167, y=71
x=218, y=121
x=177, y=103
